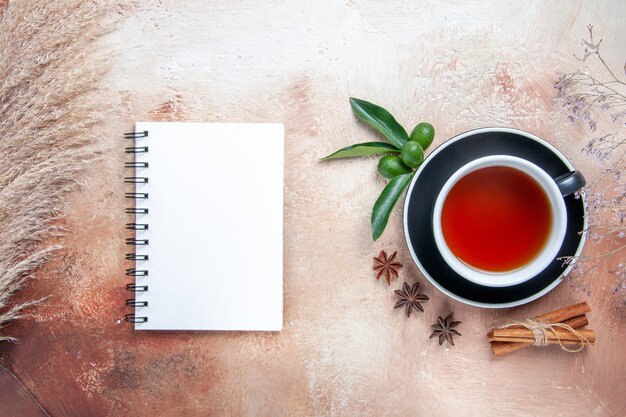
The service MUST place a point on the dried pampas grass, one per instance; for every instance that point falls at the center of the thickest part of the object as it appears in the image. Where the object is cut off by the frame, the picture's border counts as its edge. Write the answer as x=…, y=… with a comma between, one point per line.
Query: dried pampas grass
x=48, y=119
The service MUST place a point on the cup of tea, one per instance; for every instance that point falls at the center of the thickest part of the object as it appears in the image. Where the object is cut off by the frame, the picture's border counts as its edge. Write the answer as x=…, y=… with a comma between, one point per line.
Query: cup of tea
x=500, y=220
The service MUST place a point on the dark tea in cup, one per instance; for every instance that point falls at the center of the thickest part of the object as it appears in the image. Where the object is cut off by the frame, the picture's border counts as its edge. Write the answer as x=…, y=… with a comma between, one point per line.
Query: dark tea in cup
x=499, y=220
x=496, y=219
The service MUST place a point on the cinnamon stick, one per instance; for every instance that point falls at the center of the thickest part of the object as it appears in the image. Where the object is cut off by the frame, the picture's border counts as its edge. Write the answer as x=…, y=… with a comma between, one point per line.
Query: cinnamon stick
x=556, y=316
x=562, y=314
x=552, y=337
x=575, y=323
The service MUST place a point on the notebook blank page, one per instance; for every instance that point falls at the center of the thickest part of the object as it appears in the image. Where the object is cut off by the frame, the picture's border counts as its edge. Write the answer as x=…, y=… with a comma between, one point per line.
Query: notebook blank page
x=215, y=226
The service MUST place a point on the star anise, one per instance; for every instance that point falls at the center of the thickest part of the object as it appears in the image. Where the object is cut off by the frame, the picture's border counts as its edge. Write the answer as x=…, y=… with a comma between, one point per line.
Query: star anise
x=444, y=328
x=410, y=298
x=386, y=266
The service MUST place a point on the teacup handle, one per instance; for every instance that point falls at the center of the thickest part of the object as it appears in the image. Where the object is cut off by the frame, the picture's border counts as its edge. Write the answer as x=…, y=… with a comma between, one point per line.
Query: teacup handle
x=570, y=182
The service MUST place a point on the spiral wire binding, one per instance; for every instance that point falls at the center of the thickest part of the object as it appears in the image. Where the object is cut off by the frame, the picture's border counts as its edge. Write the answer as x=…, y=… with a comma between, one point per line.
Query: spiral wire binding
x=132, y=272
x=136, y=180
x=136, y=195
x=131, y=241
x=136, y=135
x=135, y=226
x=136, y=257
x=131, y=302
x=136, y=149
x=135, y=210
x=135, y=164
x=136, y=288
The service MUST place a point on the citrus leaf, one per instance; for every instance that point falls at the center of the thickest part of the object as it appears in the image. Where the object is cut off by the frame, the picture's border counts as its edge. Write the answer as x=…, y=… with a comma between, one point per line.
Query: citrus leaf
x=381, y=120
x=385, y=203
x=362, y=149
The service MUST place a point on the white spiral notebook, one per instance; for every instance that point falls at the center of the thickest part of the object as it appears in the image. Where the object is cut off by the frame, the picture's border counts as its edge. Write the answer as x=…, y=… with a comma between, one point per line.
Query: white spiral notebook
x=206, y=229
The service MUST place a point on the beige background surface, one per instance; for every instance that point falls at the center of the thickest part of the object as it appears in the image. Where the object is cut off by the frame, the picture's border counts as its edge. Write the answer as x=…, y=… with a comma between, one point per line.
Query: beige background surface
x=344, y=351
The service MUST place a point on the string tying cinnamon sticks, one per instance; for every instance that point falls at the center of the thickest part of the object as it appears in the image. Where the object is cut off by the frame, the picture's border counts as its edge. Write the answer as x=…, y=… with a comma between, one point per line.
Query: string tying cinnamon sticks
x=557, y=327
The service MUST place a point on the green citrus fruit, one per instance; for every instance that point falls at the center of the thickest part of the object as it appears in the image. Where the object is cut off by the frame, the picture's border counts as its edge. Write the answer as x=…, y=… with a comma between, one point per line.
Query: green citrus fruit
x=424, y=134
x=391, y=166
x=412, y=154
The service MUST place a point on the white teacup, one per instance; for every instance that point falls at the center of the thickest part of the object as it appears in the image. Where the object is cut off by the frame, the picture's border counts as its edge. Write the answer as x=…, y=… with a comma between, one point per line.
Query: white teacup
x=554, y=190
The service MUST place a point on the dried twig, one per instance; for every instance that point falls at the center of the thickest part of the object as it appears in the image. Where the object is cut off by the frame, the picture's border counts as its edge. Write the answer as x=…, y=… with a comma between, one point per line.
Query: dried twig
x=601, y=99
